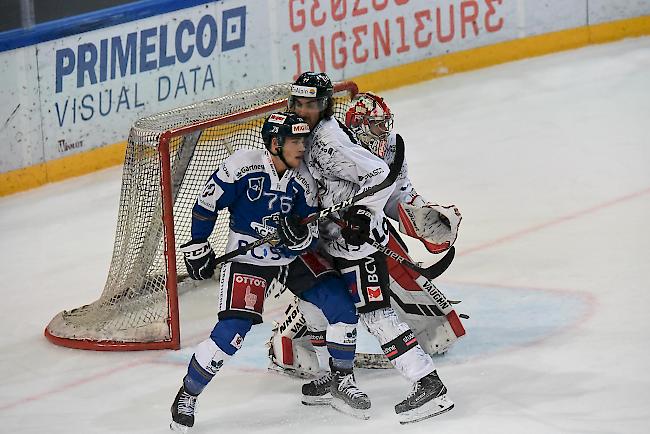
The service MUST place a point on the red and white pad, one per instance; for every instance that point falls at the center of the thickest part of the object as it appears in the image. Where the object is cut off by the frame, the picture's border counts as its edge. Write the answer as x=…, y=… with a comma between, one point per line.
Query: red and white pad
x=435, y=225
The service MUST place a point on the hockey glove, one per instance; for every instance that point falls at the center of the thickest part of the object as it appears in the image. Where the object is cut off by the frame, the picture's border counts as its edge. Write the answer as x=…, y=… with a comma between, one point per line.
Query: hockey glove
x=357, y=229
x=200, y=259
x=292, y=234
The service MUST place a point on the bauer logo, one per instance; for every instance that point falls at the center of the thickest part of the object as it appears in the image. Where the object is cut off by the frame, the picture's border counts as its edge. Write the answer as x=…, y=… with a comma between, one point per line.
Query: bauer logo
x=276, y=118
x=305, y=91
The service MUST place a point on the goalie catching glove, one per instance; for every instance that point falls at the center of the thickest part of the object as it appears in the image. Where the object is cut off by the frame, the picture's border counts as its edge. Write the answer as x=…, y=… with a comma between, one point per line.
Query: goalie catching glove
x=294, y=235
x=199, y=258
x=436, y=226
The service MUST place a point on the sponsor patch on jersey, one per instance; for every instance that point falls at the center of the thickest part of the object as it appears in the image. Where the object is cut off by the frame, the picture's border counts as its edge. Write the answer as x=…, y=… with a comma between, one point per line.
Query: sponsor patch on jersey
x=374, y=293
x=237, y=341
x=300, y=128
x=277, y=118
x=254, y=190
x=248, y=292
x=209, y=196
x=306, y=91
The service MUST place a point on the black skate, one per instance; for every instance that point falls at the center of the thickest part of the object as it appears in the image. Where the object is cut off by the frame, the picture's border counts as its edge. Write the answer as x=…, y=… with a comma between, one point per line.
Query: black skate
x=317, y=392
x=183, y=411
x=427, y=399
x=346, y=396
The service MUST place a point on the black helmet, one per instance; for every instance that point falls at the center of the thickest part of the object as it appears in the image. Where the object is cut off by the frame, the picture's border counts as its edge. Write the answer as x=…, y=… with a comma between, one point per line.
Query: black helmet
x=281, y=125
x=312, y=85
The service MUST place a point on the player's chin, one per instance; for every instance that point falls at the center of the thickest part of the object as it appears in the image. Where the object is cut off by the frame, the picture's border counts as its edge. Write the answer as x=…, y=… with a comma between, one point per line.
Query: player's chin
x=295, y=163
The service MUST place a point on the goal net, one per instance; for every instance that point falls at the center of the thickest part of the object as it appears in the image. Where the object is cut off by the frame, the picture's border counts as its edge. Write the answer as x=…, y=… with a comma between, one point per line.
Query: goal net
x=169, y=157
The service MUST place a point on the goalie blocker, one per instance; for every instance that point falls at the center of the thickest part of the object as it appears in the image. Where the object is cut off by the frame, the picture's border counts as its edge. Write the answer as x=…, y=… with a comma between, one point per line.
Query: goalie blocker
x=296, y=350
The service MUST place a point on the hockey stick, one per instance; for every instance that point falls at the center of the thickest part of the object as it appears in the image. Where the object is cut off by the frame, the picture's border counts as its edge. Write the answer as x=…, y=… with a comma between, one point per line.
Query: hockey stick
x=395, y=169
x=429, y=273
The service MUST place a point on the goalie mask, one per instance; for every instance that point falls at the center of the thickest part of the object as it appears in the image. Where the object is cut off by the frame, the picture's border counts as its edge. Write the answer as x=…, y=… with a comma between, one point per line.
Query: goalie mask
x=370, y=119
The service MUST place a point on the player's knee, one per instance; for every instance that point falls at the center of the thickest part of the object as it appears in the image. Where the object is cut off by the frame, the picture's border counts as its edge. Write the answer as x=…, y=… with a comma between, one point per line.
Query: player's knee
x=229, y=334
x=384, y=324
x=337, y=306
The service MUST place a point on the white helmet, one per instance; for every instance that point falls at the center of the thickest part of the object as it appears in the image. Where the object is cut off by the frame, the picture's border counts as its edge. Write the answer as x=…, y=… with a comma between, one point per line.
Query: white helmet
x=370, y=119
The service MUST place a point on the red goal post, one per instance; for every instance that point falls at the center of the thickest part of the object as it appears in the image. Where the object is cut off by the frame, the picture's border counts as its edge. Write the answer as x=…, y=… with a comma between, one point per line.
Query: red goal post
x=169, y=157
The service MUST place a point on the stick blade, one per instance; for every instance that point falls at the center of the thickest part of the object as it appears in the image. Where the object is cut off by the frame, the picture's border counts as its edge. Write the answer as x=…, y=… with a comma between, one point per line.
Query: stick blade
x=441, y=266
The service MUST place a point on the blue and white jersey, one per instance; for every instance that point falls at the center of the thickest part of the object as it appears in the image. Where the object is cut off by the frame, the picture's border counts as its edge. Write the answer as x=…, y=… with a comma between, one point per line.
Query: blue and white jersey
x=248, y=185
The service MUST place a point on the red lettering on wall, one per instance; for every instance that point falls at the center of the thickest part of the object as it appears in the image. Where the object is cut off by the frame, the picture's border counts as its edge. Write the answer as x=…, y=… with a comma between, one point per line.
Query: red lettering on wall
x=383, y=39
x=296, y=18
x=296, y=50
x=489, y=14
x=317, y=21
x=317, y=54
x=357, y=32
x=445, y=38
x=339, y=64
x=470, y=18
x=337, y=14
x=356, y=10
x=403, y=47
x=379, y=5
x=420, y=16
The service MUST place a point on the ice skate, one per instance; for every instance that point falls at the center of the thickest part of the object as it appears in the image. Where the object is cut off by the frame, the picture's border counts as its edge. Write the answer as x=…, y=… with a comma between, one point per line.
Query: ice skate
x=317, y=392
x=183, y=411
x=346, y=396
x=427, y=399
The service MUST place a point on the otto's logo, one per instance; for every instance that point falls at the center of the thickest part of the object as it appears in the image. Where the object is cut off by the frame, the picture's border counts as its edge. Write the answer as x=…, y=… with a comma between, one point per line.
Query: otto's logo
x=250, y=280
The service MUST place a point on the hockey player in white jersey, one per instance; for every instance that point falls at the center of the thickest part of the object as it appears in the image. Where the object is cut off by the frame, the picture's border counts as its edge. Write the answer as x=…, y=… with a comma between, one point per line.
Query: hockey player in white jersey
x=265, y=191
x=371, y=120
x=342, y=168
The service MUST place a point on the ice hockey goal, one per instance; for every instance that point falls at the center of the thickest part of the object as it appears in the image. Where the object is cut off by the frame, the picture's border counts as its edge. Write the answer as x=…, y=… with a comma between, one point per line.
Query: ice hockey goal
x=169, y=157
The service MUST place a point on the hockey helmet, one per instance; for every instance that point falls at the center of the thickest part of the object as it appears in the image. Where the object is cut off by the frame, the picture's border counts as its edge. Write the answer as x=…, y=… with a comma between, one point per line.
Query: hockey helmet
x=371, y=120
x=312, y=85
x=282, y=125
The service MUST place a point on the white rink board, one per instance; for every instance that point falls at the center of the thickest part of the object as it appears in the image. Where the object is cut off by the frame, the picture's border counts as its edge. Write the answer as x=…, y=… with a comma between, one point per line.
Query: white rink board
x=84, y=91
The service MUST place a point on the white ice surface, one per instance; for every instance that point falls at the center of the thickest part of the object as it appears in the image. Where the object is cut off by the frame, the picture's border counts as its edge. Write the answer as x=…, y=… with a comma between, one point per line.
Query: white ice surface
x=549, y=161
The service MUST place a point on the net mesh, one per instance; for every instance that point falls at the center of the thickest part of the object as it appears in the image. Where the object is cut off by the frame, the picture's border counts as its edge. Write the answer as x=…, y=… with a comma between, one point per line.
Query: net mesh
x=133, y=307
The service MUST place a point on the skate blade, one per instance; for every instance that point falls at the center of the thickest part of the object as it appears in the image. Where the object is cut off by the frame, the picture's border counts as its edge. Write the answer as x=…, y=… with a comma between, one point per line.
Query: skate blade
x=341, y=406
x=432, y=408
x=176, y=427
x=317, y=400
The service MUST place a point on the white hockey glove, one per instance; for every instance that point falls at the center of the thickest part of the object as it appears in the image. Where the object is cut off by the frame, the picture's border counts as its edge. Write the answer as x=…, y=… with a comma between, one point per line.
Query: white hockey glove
x=436, y=226
x=199, y=258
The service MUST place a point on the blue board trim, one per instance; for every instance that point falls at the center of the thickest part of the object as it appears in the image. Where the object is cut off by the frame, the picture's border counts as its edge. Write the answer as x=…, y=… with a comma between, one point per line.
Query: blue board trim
x=57, y=29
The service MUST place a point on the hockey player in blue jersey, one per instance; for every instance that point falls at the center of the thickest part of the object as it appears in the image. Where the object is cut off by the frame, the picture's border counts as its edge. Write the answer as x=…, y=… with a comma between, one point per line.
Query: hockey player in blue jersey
x=265, y=191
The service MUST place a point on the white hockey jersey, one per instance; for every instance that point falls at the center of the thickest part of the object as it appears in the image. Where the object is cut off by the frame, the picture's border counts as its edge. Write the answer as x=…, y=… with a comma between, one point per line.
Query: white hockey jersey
x=404, y=191
x=342, y=169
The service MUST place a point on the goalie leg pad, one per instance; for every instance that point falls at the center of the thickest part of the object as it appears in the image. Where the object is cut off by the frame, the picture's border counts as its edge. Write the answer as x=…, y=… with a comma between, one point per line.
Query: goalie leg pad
x=290, y=349
x=399, y=343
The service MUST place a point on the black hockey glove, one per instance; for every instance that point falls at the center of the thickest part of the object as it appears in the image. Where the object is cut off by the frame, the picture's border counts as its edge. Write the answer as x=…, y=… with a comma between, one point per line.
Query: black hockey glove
x=358, y=225
x=200, y=259
x=292, y=234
